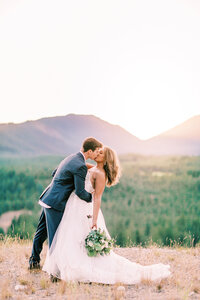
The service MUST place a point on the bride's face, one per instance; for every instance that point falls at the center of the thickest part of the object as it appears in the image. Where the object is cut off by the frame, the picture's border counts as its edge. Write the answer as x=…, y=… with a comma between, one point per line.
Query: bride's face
x=100, y=156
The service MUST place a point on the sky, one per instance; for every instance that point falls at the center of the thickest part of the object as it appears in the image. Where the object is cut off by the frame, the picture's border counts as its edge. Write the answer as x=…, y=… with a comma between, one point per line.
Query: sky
x=134, y=63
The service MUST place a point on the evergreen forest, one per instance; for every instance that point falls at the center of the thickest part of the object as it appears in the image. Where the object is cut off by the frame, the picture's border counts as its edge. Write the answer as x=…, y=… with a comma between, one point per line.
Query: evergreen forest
x=157, y=198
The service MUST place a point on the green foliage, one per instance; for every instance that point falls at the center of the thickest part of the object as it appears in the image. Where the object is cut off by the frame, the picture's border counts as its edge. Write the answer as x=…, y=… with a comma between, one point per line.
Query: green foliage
x=194, y=173
x=24, y=226
x=158, y=198
x=17, y=191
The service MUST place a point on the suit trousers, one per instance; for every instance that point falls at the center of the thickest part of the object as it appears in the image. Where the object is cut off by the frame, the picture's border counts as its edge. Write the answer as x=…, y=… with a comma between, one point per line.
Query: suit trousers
x=47, y=226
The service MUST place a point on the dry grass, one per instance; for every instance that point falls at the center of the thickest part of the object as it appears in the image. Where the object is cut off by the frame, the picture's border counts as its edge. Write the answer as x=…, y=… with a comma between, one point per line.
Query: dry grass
x=183, y=284
x=5, y=289
x=44, y=283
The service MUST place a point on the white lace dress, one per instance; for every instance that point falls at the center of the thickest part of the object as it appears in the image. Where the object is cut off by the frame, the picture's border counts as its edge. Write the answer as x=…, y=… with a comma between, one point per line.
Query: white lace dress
x=68, y=259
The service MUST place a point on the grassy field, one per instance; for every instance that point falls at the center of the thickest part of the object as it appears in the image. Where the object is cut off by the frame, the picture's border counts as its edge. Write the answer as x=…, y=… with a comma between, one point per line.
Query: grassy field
x=184, y=283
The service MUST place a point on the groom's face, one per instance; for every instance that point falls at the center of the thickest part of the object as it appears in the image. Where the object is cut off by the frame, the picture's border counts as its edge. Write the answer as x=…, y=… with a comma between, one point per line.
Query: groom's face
x=94, y=154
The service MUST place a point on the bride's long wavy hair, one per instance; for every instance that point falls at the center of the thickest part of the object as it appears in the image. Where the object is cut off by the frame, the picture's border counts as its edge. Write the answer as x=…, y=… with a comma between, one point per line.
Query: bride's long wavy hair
x=111, y=166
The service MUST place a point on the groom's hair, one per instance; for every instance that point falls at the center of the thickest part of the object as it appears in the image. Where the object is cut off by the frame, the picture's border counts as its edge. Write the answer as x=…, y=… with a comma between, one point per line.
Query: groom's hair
x=91, y=144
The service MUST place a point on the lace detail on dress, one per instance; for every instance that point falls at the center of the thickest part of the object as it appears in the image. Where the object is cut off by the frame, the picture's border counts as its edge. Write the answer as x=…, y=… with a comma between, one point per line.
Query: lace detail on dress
x=88, y=184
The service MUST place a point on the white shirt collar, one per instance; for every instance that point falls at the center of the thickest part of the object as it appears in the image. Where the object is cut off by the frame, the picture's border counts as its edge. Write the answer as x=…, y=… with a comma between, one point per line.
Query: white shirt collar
x=83, y=155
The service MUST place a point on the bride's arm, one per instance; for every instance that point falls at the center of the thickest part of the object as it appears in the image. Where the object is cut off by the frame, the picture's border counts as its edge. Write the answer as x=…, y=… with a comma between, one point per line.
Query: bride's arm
x=99, y=188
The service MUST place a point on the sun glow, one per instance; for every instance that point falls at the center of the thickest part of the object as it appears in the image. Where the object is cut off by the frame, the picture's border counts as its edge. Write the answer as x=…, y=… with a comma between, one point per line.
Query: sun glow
x=135, y=64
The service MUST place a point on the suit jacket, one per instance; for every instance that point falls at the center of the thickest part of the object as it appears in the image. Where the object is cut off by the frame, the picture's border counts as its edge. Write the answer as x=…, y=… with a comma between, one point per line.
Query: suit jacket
x=70, y=175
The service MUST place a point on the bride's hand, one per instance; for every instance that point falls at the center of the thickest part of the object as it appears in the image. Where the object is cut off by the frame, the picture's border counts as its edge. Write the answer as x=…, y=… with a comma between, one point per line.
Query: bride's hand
x=94, y=226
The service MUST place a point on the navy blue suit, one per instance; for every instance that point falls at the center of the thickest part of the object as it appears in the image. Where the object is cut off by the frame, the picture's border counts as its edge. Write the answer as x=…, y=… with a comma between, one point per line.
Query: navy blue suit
x=69, y=176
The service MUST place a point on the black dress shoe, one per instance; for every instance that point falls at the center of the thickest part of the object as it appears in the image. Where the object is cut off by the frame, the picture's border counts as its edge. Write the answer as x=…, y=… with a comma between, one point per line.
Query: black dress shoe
x=54, y=278
x=33, y=264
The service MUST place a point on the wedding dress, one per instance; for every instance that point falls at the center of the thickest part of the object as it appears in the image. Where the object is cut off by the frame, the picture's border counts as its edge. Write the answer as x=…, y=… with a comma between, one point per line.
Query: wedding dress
x=68, y=260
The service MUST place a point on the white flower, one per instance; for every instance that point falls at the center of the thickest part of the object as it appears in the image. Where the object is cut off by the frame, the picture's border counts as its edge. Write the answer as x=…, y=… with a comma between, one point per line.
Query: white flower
x=106, y=244
x=90, y=244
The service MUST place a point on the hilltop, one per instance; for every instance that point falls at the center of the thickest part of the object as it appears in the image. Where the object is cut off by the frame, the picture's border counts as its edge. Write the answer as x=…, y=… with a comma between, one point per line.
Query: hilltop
x=183, y=284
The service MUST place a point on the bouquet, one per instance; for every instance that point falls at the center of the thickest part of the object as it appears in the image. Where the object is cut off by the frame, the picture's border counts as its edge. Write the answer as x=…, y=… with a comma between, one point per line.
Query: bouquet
x=97, y=243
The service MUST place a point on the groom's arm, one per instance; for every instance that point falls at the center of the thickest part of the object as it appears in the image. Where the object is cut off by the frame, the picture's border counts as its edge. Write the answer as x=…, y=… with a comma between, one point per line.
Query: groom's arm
x=89, y=166
x=79, y=182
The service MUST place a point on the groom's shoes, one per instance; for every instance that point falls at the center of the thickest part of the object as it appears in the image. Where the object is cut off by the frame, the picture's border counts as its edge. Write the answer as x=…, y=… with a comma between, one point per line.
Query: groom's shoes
x=33, y=264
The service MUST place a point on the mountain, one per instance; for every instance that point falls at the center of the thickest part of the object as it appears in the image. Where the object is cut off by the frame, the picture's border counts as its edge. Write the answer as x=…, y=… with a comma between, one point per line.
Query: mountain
x=183, y=139
x=64, y=134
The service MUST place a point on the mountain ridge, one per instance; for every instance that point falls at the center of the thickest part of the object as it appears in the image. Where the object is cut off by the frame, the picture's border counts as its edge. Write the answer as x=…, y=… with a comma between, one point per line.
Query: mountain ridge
x=61, y=135
x=183, y=139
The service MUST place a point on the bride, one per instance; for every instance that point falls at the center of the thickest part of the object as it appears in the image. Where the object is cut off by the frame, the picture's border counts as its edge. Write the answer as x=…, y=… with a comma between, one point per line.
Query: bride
x=67, y=257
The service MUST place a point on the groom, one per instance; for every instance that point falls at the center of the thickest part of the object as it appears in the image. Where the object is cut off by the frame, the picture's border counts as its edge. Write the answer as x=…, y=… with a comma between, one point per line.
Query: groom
x=70, y=175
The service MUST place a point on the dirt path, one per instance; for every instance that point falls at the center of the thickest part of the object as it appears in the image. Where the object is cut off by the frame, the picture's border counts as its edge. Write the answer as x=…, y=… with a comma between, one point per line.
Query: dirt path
x=183, y=284
x=6, y=218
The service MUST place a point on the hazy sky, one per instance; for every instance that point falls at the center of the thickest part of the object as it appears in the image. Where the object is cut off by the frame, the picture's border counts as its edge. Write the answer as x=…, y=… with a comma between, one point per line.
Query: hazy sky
x=132, y=63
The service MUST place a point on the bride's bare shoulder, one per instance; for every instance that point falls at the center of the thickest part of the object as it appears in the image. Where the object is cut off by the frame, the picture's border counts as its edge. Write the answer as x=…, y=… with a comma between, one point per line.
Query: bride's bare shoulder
x=98, y=175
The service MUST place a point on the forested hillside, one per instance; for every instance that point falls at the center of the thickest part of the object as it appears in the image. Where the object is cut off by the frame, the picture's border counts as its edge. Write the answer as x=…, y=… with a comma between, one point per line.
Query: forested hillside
x=158, y=198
